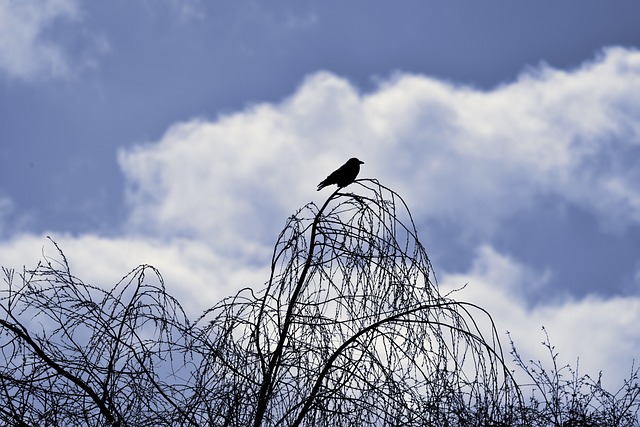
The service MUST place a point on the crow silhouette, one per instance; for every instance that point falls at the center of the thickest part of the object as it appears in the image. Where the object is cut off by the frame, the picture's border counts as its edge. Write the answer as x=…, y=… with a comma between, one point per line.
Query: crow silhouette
x=344, y=175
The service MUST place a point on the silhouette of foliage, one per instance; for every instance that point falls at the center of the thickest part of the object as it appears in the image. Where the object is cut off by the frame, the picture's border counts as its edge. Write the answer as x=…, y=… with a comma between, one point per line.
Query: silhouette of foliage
x=349, y=329
x=74, y=354
x=561, y=397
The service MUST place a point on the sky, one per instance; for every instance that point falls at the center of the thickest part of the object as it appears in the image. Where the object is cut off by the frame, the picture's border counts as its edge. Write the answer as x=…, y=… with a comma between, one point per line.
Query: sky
x=183, y=133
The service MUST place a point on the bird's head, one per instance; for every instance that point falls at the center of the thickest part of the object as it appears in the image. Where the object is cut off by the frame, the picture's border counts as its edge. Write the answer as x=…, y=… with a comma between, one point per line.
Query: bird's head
x=356, y=161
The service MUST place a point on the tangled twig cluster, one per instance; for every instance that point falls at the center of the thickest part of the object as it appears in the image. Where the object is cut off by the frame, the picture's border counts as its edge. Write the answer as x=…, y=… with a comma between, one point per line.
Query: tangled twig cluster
x=350, y=329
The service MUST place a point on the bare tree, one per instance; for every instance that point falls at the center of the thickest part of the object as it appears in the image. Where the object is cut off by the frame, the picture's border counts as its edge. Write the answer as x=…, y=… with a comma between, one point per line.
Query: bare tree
x=352, y=330
x=349, y=329
x=76, y=355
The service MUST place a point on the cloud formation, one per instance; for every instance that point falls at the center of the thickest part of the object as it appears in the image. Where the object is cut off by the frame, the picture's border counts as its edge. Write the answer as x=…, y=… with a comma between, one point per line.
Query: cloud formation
x=597, y=333
x=28, y=50
x=457, y=154
x=208, y=199
x=449, y=149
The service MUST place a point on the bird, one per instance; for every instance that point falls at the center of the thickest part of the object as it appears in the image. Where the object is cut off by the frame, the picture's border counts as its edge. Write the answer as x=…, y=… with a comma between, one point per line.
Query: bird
x=344, y=175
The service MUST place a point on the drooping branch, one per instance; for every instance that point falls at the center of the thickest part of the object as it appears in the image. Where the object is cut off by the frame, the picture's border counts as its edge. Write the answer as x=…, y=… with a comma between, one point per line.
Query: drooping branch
x=75, y=354
x=350, y=329
x=351, y=317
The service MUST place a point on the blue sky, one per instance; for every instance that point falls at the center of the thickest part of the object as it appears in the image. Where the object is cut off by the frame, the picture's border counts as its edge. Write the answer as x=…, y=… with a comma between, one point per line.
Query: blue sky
x=182, y=133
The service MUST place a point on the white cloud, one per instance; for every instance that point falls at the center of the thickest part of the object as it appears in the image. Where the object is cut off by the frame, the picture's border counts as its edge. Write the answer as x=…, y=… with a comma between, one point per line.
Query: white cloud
x=456, y=153
x=209, y=198
x=601, y=333
x=27, y=51
x=570, y=134
x=192, y=271
x=234, y=181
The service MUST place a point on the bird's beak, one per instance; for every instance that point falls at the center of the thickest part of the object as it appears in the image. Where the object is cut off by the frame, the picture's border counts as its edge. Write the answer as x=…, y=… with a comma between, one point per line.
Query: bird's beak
x=361, y=162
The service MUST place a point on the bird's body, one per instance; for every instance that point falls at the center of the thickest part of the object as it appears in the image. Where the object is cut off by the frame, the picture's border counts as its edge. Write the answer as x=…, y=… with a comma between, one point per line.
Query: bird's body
x=344, y=175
